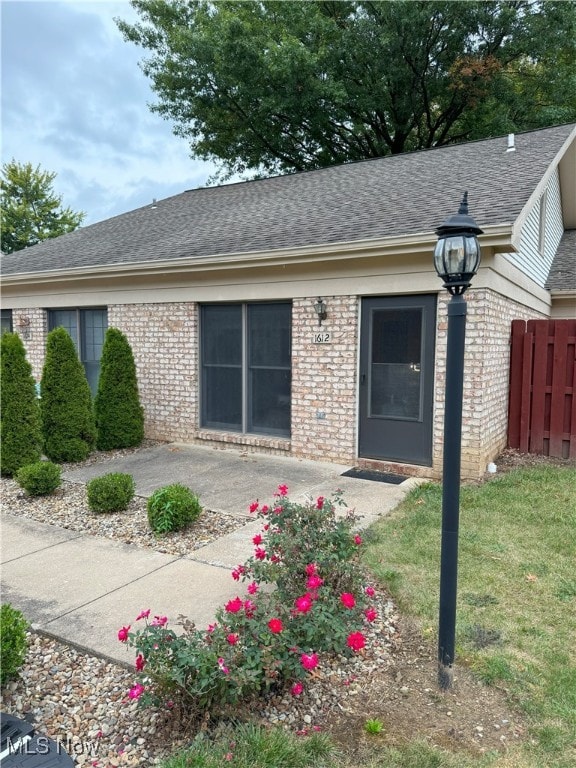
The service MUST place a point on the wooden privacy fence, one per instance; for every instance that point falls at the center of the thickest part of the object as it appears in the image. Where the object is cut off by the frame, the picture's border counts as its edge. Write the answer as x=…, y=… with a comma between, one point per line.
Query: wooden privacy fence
x=542, y=404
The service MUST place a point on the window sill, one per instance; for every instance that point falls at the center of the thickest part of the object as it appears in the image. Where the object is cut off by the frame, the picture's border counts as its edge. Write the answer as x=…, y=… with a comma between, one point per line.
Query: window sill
x=257, y=442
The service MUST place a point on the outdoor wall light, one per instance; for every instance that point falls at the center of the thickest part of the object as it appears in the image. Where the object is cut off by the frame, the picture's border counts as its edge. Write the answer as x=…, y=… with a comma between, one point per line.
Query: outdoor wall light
x=457, y=253
x=320, y=309
x=456, y=259
x=23, y=326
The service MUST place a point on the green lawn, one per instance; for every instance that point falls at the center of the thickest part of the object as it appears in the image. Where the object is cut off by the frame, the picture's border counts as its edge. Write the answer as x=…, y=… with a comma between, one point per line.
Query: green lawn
x=516, y=620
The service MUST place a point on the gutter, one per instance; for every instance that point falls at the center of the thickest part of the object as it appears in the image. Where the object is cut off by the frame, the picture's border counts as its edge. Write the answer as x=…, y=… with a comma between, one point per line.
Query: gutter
x=495, y=237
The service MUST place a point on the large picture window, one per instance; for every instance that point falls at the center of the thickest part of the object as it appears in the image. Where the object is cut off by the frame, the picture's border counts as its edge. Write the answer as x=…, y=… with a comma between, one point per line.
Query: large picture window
x=87, y=327
x=246, y=367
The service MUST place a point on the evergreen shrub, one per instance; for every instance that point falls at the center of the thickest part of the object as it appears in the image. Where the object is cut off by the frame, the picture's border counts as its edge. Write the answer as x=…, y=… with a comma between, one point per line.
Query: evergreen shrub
x=13, y=642
x=172, y=508
x=110, y=493
x=20, y=428
x=66, y=403
x=119, y=415
x=40, y=478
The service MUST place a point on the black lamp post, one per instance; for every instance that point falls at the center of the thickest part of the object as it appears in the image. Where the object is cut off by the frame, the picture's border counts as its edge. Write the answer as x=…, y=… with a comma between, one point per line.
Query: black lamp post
x=456, y=258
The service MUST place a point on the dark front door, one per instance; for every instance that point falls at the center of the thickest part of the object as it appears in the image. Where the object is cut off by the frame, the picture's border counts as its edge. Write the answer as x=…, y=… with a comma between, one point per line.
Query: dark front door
x=397, y=378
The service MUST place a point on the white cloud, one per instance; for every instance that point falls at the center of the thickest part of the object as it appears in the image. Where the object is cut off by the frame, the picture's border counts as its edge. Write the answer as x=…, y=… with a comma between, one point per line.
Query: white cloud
x=74, y=101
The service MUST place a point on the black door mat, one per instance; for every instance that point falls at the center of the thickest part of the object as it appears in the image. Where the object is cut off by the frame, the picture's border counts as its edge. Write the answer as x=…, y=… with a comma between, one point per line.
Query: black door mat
x=372, y=474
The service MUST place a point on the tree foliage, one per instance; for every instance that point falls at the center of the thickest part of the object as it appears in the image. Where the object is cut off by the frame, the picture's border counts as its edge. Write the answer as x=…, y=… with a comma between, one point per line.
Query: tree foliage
x=66, y=402
x=20, y=431
x=267, y=86
x=30, y=209
x=119, y=415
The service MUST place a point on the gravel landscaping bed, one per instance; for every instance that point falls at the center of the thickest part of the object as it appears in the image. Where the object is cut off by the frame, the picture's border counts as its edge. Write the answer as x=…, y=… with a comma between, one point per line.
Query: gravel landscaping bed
x=81, y=701
x=67, y=508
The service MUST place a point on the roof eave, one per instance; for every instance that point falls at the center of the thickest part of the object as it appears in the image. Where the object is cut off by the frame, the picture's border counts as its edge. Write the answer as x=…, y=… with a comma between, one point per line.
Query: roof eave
x=497, y=237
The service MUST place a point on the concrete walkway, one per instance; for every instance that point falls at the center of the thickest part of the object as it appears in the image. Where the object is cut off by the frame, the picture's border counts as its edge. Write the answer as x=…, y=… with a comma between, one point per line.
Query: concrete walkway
x=82, y=588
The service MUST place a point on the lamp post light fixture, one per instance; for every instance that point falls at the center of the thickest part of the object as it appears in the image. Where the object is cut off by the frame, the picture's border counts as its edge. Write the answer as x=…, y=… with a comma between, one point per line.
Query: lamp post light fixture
x=320, y=309
x=456, y=259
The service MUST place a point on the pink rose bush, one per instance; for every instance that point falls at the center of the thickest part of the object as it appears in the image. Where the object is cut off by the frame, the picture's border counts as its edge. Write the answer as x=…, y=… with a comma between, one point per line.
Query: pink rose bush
x=268, y=639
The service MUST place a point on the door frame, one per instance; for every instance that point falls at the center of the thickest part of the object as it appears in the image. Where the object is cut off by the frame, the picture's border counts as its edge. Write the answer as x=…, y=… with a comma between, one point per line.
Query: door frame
x=423, y=437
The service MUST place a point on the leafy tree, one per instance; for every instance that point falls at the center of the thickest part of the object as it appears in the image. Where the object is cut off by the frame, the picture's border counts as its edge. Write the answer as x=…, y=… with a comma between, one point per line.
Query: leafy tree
x=66, y=402
x=119, y=415
x=20, y=431
x=30, y=209
x=272, y=86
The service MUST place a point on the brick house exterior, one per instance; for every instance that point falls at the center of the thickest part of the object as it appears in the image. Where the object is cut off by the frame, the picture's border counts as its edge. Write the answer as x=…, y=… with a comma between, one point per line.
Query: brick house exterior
x=361, y=237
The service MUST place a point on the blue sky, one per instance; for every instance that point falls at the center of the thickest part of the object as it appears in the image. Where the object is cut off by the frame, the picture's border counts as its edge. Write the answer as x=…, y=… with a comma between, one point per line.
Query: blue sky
x=74, y=101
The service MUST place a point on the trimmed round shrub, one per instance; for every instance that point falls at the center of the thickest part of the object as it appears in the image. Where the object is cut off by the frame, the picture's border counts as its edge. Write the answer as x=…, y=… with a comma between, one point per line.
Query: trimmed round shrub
x=13, y=642
x=20, y=430
x=172, y=508
x=40, y=478
x=66, y=403
x=119, y=415
x=110, y=493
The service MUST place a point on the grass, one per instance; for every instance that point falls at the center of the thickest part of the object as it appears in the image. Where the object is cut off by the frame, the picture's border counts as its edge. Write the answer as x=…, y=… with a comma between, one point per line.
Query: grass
x=516, y=621
x=251, y=746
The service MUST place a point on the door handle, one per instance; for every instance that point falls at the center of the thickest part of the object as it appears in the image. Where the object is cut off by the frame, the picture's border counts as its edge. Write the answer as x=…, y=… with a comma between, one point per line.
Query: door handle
x=362, y=378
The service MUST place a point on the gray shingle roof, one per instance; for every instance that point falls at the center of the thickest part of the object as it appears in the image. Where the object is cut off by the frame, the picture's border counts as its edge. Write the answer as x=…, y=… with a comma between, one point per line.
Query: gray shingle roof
x=562, y=275
x=391, y=196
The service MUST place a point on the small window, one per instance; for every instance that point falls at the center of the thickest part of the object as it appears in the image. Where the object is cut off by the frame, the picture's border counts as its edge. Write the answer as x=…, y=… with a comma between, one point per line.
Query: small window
x=87, y=327
x=246, y=367
x=6, y=320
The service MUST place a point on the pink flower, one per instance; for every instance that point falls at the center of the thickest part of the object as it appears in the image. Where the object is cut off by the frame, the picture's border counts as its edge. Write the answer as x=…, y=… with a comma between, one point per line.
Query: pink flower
x=275, y=559
x=228, y=756
x=232, y=638
x=143, y=615
x=277, y=510
x=311, y=569
x=319, y=502
x=347, y=599
x=257, y=539
x=159, y=621
x=254, y=506
x=136, y=691
x=233, y=606
x=259, y=553
x=223, y=666
x=358, y=539
x=303, y=604
x=370, y=591
x=249, y=608
x=211, y=627
x=123, y=633
x=253, y=588
x=370, y=614
x=265, y=509
x=275, y=626
x=314, y=582
x=140, y=662
x=282, y=490
x=356, y=641
x=296, y=689
x=309, y=660
x=267, y=526
x=237, y=572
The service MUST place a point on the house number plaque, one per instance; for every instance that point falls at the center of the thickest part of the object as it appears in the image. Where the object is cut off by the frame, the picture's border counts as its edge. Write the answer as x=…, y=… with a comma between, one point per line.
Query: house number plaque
x=323, y=337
